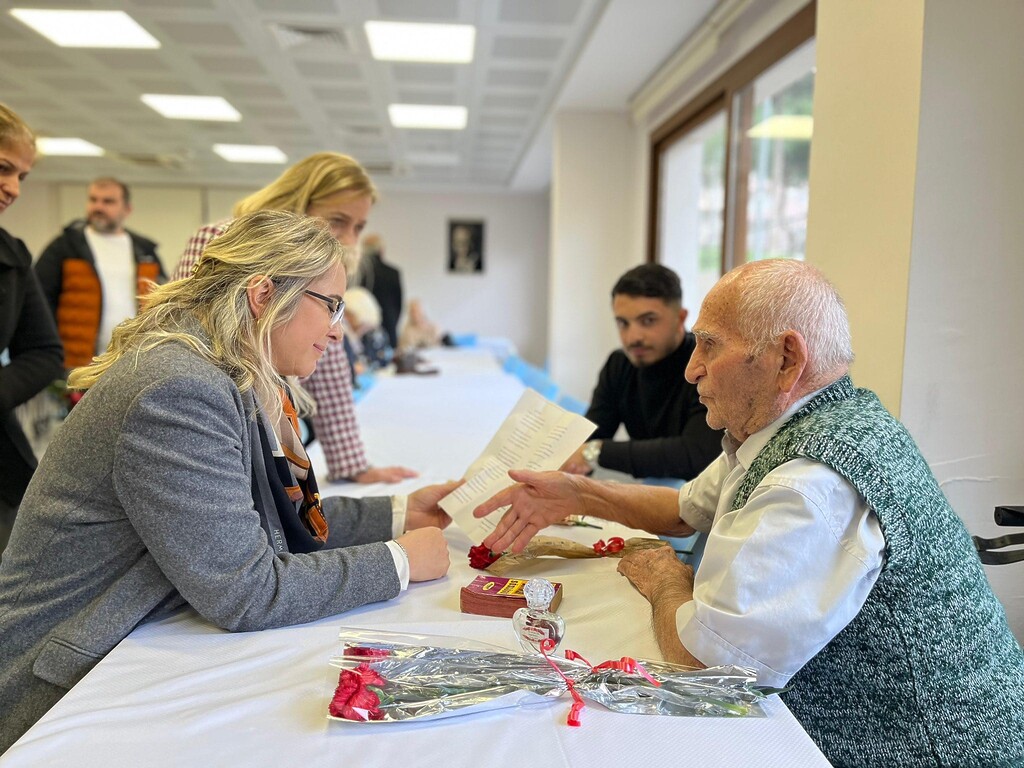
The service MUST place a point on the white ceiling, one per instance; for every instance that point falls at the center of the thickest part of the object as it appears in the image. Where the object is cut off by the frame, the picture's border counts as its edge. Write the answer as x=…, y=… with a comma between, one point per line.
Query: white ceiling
x=300, y=73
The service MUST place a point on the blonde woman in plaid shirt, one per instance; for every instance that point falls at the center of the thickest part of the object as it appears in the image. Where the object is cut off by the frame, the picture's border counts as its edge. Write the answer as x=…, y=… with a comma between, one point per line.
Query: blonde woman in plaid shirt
x=336, y=188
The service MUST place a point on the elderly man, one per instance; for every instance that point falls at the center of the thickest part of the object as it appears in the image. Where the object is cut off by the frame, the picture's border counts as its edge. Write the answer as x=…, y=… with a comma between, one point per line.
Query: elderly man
x=834, y=564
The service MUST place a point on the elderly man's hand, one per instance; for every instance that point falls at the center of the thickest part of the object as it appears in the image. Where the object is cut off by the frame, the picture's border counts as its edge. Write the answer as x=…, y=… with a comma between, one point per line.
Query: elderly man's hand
x=538, y=500
x=655, y=572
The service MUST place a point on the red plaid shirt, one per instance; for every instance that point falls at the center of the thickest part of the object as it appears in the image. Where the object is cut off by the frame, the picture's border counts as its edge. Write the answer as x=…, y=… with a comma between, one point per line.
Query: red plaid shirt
x=330, y=385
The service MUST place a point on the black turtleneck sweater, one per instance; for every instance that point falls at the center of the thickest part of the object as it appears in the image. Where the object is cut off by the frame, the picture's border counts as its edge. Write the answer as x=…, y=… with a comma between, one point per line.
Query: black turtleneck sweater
x=669, y=434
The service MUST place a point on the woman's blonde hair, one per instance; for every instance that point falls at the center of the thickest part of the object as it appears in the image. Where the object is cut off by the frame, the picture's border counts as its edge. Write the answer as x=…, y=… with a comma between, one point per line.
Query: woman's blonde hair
x=14, y=130
x=318, y=176
x=210, y=312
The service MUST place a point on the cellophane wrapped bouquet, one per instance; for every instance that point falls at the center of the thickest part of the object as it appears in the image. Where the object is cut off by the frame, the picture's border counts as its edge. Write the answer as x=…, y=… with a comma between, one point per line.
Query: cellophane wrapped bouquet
x=390, y=677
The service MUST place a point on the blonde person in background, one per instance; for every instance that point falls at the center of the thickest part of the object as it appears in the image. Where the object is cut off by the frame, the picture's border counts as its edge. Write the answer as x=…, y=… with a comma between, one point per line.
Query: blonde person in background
x=335, y=188
x=363, y=322
x=419, y=331
x=179, y=478
x=27, y=331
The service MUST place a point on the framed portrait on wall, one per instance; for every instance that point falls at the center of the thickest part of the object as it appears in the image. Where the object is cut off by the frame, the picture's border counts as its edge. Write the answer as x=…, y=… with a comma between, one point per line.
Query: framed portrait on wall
x=465, y=246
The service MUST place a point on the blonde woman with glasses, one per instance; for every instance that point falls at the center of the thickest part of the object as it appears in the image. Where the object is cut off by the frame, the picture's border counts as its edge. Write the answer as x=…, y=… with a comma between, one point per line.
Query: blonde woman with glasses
x=179, y=477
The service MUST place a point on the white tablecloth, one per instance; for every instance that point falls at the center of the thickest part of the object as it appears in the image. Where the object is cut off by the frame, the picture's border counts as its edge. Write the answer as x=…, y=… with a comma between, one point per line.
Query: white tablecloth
x=182, y=692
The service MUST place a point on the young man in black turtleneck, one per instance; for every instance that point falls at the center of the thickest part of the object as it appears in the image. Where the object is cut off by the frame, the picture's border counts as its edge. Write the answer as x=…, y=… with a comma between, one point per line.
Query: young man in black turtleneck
x=642, y=387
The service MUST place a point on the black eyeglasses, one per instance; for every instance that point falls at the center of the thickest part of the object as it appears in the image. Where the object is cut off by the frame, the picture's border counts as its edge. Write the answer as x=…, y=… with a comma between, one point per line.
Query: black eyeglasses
x=336, y=306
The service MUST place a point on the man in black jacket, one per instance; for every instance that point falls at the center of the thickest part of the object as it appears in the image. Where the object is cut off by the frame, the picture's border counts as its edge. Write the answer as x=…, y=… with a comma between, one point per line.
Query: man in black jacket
x=643, y=388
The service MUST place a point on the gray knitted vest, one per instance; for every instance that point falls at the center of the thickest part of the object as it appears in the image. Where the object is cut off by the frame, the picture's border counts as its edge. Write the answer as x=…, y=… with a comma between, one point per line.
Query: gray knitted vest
x=928, y=673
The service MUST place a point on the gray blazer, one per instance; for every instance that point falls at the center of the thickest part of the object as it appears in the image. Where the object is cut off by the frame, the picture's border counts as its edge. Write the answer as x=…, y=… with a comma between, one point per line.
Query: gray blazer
x=142, y=503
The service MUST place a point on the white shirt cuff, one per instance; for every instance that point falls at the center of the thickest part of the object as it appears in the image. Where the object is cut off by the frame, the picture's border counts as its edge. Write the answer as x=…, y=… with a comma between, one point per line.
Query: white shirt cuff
x=399, y=505
x=401, y=563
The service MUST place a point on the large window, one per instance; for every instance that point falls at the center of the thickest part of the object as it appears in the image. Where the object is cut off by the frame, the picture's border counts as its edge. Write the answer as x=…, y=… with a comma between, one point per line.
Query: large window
x=730, y=170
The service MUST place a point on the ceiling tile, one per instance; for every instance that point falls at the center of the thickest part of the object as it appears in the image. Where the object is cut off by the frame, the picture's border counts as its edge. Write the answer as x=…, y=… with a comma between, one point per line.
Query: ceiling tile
x=349, y=120
x=196, y=4
x=539, y=11
x=85, y=87
x=27, y=102
x=427, y=96
x=298, y=6
x=511, y=120
x=435, y=10
x=164, y=85
x=340, y=96
x=230, y=65
x=188, y=33
x=527, y=48
x=246, y=90
x=131, y=62
x=329, y=70
x=11, y=29
x=423, y=73
x=518, y=78
x=32, y=60
x=287, y=129
x=509, y=101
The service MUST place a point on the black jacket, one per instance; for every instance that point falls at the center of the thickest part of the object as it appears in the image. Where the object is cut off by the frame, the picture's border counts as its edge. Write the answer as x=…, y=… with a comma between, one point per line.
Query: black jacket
x=666, y=422
x=28, y=333
x=385, y=283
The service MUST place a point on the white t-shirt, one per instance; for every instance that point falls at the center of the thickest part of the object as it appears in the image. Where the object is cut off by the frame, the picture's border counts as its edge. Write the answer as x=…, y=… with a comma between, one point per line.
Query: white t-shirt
x=785, y=573
x=115, y=266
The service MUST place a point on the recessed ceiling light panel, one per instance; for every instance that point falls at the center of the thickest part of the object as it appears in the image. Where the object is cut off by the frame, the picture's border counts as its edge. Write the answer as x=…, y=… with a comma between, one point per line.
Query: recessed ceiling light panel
x=67, y=147
x=427, y=116
x=437, y=43
x=87, y=29
x=250, y=153
x=192, y=107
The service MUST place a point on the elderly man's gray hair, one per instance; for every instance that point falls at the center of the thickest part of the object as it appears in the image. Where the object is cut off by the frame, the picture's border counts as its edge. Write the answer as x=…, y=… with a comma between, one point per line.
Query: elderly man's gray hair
x=777, y=295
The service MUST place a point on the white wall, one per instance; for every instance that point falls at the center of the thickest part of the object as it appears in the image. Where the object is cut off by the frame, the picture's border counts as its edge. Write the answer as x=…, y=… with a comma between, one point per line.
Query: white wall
x=964, y=363
x=593, y=241
x=168, y=215
x=509, y=298
x=862, y=183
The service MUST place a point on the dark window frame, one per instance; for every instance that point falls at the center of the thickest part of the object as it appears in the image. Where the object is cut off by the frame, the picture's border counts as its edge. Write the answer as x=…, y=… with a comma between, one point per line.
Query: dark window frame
x=719, y=97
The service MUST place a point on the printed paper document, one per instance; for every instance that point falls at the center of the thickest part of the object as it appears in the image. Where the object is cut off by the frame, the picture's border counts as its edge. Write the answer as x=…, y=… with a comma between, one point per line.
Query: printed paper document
x=536, y=435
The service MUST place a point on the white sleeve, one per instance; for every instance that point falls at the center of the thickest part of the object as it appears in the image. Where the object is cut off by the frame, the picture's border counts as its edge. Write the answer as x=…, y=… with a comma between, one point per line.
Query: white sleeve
x=784, y=574
x=399, y=504
x=698, y=499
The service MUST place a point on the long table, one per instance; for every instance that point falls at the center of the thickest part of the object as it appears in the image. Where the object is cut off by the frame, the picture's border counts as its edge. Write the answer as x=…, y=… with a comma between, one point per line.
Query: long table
x=181, y=692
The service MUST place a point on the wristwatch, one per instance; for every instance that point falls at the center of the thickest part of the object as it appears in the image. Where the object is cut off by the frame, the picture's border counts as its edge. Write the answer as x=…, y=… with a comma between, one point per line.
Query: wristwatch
x=591, y=450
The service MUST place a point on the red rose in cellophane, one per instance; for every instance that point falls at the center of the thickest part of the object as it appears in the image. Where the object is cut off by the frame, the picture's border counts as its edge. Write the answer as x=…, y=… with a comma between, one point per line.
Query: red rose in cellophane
x=373, y=653
x=480, y=557
x=353, y=698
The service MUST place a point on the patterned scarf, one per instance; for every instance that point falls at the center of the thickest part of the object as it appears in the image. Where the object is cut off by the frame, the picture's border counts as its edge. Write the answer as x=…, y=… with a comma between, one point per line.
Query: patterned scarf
x=292, y=483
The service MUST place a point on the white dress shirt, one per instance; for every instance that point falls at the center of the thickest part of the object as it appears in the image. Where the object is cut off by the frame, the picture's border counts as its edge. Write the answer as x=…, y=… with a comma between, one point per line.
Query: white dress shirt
x=785, y=573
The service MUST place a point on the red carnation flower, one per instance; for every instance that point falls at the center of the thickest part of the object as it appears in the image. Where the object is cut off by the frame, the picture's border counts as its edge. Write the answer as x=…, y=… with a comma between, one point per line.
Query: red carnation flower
x=353, y=694
x=480, y=557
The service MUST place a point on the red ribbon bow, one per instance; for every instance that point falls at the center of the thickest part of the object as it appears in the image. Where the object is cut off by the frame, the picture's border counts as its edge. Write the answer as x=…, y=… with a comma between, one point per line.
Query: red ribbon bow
x=615, y=544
